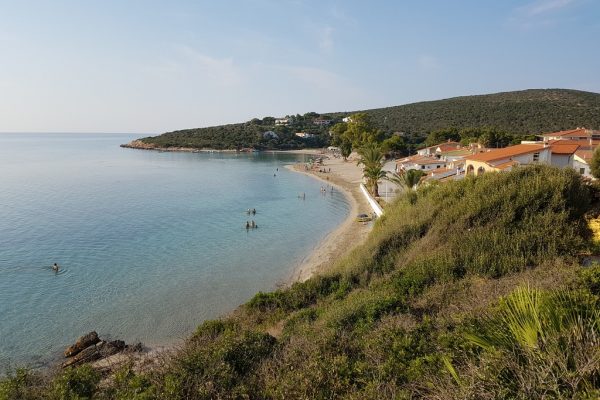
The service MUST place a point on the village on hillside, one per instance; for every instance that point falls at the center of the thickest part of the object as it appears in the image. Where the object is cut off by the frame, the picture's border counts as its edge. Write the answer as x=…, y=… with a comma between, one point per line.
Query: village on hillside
x=452, y=161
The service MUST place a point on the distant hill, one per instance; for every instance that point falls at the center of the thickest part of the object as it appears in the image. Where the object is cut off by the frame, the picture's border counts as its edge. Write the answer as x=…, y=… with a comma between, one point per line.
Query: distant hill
x=522, y=112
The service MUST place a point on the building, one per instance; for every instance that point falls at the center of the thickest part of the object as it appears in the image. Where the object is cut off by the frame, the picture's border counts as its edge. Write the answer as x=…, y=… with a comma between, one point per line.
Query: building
x=439, y=148
x=321, y=122
x=422, y=163
x=573, y=134
x=282, y=121
x=305, y=135
x=506, y=158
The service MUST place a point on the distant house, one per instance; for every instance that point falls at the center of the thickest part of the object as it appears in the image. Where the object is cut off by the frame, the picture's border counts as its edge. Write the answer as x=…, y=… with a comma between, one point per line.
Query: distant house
x=305, y=135
x=422, y=163
x=347, y=119
x=439, y=148
x=321, y=121
x=270, y=135
x=282, y=121
x=573, y=134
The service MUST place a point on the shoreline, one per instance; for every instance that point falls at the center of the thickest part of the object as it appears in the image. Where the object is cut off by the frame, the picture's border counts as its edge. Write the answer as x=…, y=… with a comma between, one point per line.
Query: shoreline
x=139, y=145
x=345, y=176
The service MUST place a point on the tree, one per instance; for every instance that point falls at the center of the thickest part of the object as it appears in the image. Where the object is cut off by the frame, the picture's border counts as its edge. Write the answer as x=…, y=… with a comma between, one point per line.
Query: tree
x=371, y=157
x=595, y=164
x=394, y=145
x=407, y=179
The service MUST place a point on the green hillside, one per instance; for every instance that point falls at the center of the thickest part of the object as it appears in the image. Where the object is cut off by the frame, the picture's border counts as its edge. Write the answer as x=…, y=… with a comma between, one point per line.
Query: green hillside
x=513, y=113
x=472, y=289
x=525, y=112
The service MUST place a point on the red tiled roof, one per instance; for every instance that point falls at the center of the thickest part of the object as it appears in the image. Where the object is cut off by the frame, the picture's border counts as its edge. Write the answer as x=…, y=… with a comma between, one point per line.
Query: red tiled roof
x=559, y=148
x=506, y=152
x=585, y=154
x=505, y=165
x=570, y=133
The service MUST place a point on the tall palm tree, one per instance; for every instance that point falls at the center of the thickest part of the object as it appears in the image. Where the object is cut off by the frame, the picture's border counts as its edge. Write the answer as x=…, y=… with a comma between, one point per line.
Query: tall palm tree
x=371, y=158
x=406, y=179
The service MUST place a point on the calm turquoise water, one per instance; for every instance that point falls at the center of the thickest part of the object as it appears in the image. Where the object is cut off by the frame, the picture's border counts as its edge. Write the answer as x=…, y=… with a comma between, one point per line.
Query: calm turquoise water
x=150, y=243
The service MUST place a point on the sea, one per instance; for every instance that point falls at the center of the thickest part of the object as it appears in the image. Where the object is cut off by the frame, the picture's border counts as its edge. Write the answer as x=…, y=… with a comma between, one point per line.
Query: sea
x=149, y=243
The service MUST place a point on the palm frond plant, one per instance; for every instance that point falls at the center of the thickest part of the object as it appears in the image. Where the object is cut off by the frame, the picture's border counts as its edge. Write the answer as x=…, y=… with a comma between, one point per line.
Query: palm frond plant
x=406, y=179
x=371, y=157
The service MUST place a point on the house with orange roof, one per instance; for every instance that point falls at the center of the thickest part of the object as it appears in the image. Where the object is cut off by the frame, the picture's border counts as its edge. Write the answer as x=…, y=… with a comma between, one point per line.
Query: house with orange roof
x=508, y=157
x=422, y=163
x=573, y=134
x=439, y=148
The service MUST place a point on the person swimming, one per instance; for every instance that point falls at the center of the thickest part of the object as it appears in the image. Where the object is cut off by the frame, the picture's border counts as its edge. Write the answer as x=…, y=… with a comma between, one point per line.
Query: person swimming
x=55, y=267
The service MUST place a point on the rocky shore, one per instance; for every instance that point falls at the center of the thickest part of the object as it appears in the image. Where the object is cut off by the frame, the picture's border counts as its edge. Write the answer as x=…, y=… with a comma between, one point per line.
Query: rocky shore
x=90, y=348
x=138, y=144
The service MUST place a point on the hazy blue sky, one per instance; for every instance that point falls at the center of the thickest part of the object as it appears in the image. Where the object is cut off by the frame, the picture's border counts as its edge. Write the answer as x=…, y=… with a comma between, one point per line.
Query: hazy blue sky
x=151, y=66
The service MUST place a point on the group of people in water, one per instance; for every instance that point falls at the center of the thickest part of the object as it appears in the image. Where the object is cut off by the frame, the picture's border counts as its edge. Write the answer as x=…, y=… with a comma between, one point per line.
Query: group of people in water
x=251, y=224
x=324, y=190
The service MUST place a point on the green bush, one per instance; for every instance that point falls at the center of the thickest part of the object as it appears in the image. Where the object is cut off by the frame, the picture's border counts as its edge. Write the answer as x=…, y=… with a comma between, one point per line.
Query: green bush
x=75, y=384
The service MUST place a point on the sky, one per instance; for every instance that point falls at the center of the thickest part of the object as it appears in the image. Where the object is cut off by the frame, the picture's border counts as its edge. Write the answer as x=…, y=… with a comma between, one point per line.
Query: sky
x=145, y=66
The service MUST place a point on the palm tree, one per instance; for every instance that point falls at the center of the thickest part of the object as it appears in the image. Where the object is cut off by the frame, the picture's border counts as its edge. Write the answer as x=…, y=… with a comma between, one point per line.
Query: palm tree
x=371, y=158
x=406, y=179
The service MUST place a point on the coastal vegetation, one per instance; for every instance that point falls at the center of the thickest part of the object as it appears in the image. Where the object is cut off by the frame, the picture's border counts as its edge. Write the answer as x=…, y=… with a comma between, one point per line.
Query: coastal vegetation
x=471, y=289
x=495, y=120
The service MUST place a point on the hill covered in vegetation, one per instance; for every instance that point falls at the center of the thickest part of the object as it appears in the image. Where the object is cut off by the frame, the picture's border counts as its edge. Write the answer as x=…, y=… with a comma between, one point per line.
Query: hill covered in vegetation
x=523, y=112
x=511, y=115
x=471, y=289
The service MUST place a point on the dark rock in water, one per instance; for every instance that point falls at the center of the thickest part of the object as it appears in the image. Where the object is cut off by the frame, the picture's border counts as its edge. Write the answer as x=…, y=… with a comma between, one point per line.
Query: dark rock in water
x=82, y=343
x=95, y=352
x=108, y=349
x=87, y=355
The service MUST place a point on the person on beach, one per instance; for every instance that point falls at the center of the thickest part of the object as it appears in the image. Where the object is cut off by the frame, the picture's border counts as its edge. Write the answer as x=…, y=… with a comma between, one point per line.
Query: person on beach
x=55, y=267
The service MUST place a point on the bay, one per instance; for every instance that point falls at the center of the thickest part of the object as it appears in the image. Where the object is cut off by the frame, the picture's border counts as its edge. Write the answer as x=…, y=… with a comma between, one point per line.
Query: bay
x=150, y=244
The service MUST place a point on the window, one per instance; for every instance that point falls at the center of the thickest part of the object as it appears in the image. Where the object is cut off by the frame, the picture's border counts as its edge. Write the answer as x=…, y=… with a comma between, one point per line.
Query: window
x=438, y=166
x=582, y=171
x=536, y=157
x=422, y=167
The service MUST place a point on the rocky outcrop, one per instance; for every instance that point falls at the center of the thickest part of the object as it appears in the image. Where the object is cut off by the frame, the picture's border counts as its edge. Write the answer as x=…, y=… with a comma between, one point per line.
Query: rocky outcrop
x=138, y=144
x=82, y=343
x=89, y=348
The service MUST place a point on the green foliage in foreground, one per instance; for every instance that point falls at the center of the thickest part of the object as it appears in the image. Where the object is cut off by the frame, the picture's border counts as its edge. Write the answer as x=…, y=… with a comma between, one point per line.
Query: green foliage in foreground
x=465, y=290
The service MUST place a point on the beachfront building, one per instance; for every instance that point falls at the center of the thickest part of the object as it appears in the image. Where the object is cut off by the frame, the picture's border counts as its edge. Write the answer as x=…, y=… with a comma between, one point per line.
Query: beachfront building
x=506, y=158
x=422, y=163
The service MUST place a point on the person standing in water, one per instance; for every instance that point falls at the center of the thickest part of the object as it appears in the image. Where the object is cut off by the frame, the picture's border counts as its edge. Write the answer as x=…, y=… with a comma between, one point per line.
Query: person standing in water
x=55, y=267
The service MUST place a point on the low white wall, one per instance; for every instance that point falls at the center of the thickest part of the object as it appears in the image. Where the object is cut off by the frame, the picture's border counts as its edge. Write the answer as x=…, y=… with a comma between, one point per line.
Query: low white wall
x=374, y=205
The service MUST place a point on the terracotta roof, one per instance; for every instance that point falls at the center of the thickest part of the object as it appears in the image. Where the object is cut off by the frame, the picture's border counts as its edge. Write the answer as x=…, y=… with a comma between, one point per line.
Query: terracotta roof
x=505, y=165
x=585, y=154
x=448, y=146
x=579, y=132
x=441, y=145
x=506, y=152
x=421, y=160
x=559, y=148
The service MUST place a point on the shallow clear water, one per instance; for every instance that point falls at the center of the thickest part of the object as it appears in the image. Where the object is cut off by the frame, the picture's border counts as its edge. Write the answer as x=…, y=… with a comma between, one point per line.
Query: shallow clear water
x=150, y=243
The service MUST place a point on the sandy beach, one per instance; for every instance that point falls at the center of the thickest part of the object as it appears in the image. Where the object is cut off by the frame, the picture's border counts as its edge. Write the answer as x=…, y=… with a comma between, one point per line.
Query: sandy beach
x=345, y=176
